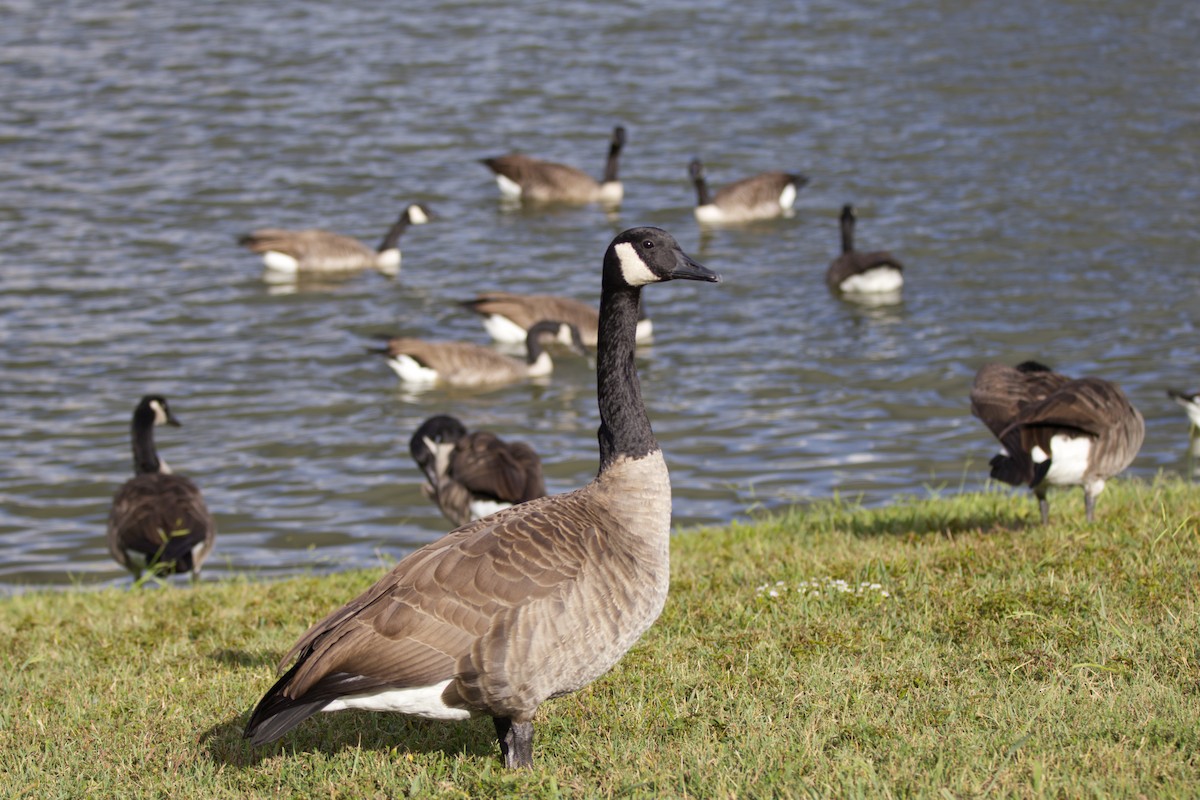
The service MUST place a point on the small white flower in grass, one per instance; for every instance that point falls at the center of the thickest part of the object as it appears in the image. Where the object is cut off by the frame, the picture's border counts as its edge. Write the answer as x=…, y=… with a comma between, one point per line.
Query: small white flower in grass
x=828, y=586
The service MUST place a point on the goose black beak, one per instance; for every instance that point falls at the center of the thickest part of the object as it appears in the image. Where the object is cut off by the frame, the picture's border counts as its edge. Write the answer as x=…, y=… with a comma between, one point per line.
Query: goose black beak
x=173, y=420
x=687, y=268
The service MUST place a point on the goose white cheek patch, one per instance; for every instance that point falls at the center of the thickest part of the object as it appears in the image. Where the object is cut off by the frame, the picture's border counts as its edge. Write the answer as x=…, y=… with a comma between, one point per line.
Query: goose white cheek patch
x=633, y=269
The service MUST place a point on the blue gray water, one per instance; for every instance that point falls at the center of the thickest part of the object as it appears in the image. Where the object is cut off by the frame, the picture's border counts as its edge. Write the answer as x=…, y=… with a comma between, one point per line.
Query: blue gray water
x=1034, y=165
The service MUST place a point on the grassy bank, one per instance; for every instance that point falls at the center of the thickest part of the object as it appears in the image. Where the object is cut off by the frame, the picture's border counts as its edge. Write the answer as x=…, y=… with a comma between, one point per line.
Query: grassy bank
x=941, y=647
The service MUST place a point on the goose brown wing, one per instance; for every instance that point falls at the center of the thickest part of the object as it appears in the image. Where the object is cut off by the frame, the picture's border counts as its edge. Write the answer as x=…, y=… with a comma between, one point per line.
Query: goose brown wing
x=484, y=464
x=1000, y=392
x=528, y=310
x=309, y=246
x=159, y=515
x=756, y=190
x=1089, y=405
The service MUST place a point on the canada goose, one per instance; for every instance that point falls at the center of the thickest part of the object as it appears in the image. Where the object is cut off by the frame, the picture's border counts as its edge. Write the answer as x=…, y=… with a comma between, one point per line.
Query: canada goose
x=474, y=474
x=507, y=316
x=464, y=364
x=1056, y=431
x=1191, y=406
x=158, y=519
x=313, y=251
x=762, y=196
x=853, y=272
x=533, y=180
x=530, y=603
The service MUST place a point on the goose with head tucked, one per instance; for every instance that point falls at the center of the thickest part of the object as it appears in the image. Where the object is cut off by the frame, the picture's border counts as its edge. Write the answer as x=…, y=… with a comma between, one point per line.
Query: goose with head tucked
x=316, y=252
x=473, y=474
x=1055, y=430
x=532, y=180
x=762, y=196
x=421, y=362
x=507, y=316
x=531, y=603
x=159, y=521
x=854, y=272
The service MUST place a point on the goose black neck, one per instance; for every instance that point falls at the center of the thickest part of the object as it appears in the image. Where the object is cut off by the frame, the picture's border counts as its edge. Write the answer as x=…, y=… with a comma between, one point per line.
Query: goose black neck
x=392, y=238
x=613, y=162
x=847, y=234
x=702, y=195
x=624, y=426
x=145, y=455
x=533, y=339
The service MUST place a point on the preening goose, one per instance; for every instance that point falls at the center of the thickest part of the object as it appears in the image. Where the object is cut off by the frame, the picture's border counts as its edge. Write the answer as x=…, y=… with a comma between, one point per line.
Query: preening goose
x=530, y=603
x=158, y=519
x=1056, y=431
x=471, y=475
x=1191, y=406
x=769, y=194
x=521, y=177
x=422, y=362
x=318, y=252
x=507, y=317
x=854, y=272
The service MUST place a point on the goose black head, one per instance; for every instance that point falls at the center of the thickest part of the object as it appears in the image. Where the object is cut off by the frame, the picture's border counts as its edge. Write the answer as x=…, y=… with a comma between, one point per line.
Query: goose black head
x=696, y=169
x=848, y=215
x=417, y=214
x=650, y=255
x=154, y=410
x=618, y=137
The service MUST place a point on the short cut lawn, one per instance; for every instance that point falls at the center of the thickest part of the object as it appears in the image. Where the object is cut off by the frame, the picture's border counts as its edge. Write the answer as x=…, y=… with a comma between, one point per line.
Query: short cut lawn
x=941, y=647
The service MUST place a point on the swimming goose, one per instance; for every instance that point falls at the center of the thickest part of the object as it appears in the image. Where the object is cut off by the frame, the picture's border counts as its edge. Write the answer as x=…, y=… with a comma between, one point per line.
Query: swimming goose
x=527, y=604
x=507, y=316
x=854, y=272
x=769, y=194
x=520, y=177
x=1056, y=431
x=313, y=251
x=464, y=364
x=1191, y=406
x=474, y=474
x=158, y=519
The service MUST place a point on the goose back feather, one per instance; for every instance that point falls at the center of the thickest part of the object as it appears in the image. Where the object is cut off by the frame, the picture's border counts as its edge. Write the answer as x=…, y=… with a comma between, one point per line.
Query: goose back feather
x=534, y=180
x=507, y=316
x=762, y=196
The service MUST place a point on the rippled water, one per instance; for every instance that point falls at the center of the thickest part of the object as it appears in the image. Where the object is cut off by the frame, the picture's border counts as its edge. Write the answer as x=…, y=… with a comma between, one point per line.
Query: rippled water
x=1034, y=165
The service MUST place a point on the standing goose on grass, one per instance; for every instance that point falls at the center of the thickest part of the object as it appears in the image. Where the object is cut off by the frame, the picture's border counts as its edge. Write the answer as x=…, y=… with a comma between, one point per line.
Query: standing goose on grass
x=158, y=520
x=507, y=317
x=762, y=196
x=854, y=272
x=474, y=474
x=521, y=177
x=530, y=603
x=422, y=362
x=1191, y=406
x=1056, y=431
x=318, y=252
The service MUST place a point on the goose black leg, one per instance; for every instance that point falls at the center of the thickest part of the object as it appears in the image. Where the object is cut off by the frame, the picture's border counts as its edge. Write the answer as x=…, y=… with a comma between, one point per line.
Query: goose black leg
x=516, y=742
x=1044, y=507
x=1089, y=505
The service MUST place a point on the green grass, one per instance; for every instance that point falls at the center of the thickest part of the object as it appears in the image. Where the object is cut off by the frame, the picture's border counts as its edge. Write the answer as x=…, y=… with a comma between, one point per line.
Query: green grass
x=1007, y=659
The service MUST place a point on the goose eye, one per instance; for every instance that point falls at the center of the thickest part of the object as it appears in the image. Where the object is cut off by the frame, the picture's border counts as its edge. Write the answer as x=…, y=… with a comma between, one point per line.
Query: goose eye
x=648, y=244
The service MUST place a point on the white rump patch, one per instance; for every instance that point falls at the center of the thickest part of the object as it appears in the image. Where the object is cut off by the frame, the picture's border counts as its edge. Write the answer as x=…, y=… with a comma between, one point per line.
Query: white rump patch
x=481, y=508
x=612, y=193
x=633, y=269
x=388, y=261
x=709, y=214
x=504, y=330
x=420, y=701
x=409, y=371
x=542, y=367
x=787, y=198
x=1068, y=459
x=880, y=279
x=508, y=187
x=280, y=262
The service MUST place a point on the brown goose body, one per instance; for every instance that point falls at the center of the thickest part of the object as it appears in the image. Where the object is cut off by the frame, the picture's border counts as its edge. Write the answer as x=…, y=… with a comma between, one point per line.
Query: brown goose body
x=469, y=365
x=762, y=196
x=158, y=521
x=471, y=475
x=315, y=251
x=856, y=272
x=533, y=180
x=529, y=603
x=507, y=316
x=1056, y=431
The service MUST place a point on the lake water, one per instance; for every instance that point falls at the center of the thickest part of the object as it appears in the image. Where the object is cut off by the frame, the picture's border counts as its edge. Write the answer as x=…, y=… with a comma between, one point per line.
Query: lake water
x=1034, y=165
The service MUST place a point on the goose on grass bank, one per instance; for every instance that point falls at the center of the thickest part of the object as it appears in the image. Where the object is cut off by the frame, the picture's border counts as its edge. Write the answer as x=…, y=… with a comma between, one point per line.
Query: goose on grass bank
x=532, y=180
x=530, y=603
x=158, y=521
x=1190, y=401
x=421, y=362
x=1056, y=431
x=762, y=196
x=854, y=272
x=471, y=475
x=507, y=317
x=317, y=252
